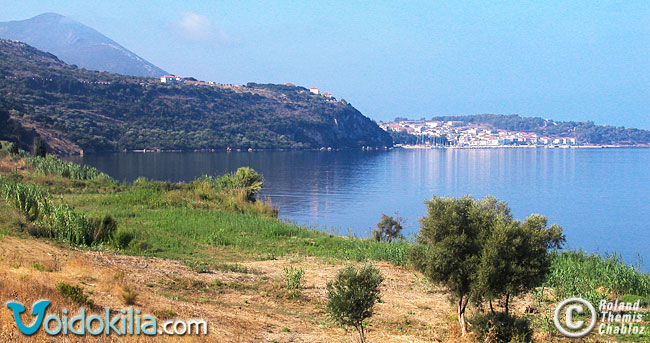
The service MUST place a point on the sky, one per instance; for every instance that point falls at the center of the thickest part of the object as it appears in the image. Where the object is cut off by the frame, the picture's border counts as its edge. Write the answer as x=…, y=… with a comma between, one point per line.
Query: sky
x=564, y=60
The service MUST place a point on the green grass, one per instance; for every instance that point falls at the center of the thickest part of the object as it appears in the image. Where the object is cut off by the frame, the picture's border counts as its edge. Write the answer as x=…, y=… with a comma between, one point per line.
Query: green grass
x=593, y=277
x=179, y=232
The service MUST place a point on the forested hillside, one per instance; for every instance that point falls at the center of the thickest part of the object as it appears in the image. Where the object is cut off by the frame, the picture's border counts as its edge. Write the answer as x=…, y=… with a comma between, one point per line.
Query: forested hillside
x=75, y=109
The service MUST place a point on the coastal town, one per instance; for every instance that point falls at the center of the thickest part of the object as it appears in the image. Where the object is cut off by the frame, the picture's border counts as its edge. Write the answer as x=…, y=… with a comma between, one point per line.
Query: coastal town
x=462, y=134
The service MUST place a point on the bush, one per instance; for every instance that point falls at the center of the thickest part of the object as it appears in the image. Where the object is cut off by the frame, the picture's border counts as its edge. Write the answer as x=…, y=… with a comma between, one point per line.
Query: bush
x=204, y=188
x=501, y=328
x=40, y=149
x=129, y=295
x=74, y=293
x=245, y=179
x=293, y=279
x=388, y=229
x=142, y=246
x=104, y=228
x=123, y=238
x=352, y=295
x=12, y=148
x=65, y=224
x=630, y=298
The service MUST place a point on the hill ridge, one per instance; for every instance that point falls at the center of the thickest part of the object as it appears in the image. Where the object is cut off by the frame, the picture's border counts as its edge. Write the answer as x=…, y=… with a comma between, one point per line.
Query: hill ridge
x=79, y=110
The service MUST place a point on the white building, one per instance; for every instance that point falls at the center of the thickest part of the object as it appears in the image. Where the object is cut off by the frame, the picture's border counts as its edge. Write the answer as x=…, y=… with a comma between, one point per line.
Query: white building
x=171, y=79
x=314, y=90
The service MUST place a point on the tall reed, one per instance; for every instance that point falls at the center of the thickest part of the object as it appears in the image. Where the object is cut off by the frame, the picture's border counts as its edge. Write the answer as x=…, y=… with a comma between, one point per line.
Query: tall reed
x=51, y=165
x=55, y=220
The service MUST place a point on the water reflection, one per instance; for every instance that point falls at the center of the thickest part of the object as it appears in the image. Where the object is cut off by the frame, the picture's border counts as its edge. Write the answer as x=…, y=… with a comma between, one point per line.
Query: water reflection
x=601, y=197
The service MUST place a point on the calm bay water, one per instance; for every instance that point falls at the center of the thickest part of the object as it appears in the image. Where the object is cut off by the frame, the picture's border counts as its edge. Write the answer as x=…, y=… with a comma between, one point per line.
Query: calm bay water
x=600, y=196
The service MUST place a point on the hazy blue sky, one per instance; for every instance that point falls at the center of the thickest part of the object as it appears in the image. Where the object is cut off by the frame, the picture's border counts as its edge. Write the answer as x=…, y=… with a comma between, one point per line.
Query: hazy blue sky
x=562, y=60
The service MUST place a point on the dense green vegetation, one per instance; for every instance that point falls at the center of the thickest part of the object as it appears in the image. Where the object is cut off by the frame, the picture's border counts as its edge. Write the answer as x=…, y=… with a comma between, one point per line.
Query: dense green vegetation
x=586, y=132
x=98, y=111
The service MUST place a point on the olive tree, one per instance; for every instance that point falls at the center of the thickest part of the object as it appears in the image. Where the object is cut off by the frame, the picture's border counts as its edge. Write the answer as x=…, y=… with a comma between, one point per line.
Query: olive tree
x=478, y=252
x=449, y=247
x=352, y=295
x=516, y=258
x=388, y=228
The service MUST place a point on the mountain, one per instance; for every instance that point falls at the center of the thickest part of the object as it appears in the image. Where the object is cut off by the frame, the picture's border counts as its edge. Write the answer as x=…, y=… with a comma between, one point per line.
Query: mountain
x=77, y=44
x=75, y=109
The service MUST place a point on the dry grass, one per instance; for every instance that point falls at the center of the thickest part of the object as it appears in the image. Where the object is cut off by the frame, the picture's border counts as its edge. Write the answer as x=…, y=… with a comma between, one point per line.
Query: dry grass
x=239, y=307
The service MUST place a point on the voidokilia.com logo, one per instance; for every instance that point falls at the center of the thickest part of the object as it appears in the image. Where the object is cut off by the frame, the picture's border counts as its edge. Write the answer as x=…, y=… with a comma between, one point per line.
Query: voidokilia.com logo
x=120, y=323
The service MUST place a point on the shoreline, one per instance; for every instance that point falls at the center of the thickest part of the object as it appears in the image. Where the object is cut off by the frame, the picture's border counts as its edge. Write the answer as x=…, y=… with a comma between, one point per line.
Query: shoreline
x=422, y=147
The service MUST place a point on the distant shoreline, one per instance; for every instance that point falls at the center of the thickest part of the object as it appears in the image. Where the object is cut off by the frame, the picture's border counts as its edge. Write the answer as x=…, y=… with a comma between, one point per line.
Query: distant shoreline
x=408, y=147
x=611, y=146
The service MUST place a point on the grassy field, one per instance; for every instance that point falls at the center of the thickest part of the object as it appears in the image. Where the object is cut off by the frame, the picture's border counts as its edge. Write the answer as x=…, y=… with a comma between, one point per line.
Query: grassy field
x=204, y=231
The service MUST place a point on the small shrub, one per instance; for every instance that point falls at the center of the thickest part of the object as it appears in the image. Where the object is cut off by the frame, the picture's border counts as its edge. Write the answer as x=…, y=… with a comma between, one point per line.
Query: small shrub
x=352, y=295
x=40, y=149
x=235, y=268
x=38, y=266
x=293, y=280
x=122, y=238
x=204, y=188
x=142, y=246
x=164, y=314
x=501, y=328
x=12, y=148
x=293, y=277
x=198, y=267
x=631, y=298
x=388, y=229
x=74, y=293
x=246, y=179
x=129, y=295
x=104, y=228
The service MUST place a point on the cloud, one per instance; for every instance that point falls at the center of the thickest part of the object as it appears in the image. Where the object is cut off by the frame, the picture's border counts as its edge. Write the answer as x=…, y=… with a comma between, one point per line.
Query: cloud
x=194, y=27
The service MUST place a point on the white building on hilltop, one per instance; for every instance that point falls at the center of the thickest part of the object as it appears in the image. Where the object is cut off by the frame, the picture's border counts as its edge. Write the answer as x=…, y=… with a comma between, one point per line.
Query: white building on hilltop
x=314, y=90
x=171, y=79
